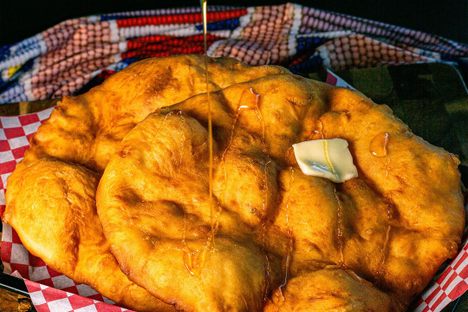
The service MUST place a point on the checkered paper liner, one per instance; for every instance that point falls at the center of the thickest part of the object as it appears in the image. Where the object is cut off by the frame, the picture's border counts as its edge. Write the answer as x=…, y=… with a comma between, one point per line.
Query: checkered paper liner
x=49, y=290
x=46, y=299
x=52, y=291
x=77, y=298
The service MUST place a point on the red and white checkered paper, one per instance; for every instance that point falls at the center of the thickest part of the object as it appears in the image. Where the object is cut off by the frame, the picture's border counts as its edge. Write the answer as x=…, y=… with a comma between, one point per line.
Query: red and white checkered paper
x=52, y=291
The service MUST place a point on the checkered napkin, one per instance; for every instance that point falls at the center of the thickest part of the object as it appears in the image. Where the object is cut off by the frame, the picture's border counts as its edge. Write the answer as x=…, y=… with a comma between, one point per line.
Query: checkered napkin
x=48, y=289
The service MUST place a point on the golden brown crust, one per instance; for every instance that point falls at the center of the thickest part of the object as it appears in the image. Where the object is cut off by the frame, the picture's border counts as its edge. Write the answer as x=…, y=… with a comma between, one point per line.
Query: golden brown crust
x=277, y=229
x=167, y=222
x=329, y=289
x=66, y=232
x=355, y=225
x=416, y=185
x=88, y=128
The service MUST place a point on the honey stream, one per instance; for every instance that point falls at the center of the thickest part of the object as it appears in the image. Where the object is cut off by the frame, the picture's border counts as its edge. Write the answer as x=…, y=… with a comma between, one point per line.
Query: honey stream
x=191, y=256
x=378, y=144
x=287, y=261
x=378, y=147
x=204, y=4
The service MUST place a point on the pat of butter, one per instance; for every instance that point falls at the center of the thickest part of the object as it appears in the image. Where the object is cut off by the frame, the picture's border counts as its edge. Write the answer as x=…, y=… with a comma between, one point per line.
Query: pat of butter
x=326, y=158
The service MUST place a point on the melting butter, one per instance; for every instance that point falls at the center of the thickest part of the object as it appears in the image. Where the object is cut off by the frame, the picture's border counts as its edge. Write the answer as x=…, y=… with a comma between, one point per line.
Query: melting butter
x=326, y=158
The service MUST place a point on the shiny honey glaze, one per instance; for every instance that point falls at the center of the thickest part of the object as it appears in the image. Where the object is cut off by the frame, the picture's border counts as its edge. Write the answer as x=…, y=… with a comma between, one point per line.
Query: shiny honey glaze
x=204, y=4
x=194, y=265
x=378, y=144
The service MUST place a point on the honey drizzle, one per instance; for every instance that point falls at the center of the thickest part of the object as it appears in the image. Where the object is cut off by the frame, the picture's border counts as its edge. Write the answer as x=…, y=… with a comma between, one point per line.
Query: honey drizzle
x=320, y=130
x=290, y=239
x=387, y=240
x=188, y=253
x=267, y=269
x=339, y=230
x=190, y=256
x=259, y=115
x=387, y=163
x=204, y=4
x=378, y=144
x=385, y=247
x=233, y=128
x=240, y=108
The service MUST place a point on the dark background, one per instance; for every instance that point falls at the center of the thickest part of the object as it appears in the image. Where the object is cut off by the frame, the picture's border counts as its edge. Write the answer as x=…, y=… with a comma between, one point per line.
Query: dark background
x=20, y=19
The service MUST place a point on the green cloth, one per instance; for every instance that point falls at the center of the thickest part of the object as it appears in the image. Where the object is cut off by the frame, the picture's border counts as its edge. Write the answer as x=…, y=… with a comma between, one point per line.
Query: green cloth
x=431, y=98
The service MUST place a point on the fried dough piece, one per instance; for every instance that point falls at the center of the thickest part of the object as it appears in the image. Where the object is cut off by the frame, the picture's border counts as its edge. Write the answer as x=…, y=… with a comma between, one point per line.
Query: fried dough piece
x=158, y=180
x=87, y=129
x=414, y=185
x=165, y=244
x=65, y=232
x=329, y=289
x=259, y=188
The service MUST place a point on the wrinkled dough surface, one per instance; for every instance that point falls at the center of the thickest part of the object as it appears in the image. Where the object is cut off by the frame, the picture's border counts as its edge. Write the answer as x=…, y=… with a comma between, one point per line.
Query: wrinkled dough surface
x=84, y=131
x=375, y=240
x=66, y=232
x=329, y=289
x=265, y=203
x=87, y=129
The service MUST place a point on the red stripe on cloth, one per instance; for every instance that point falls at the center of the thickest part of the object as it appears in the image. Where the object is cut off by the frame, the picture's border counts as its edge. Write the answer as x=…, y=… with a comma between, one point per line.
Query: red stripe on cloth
x=35, y=261
x=79, y=302
x=458, y=290
x=450, y=278
x=438, y=301
x=52, y=272
x=4, y=146
x=196, y=48
x=464, y=273
x=101, y=306
x=32, y=286
x=180, y=18
x=28, y=119
x=139, y=54
x=5, y=252
x=460, y=261
x=42, y=307
x=189, y=45
x=433, y=294
x=23, y=269
x=8, y=166
x=14, y=237
x=19, y=152
x=175, y=41
x=51, y=294
x=443, y=275
x=96, y=297
x=331, y=79
x=14, y=132
x=158, y=45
